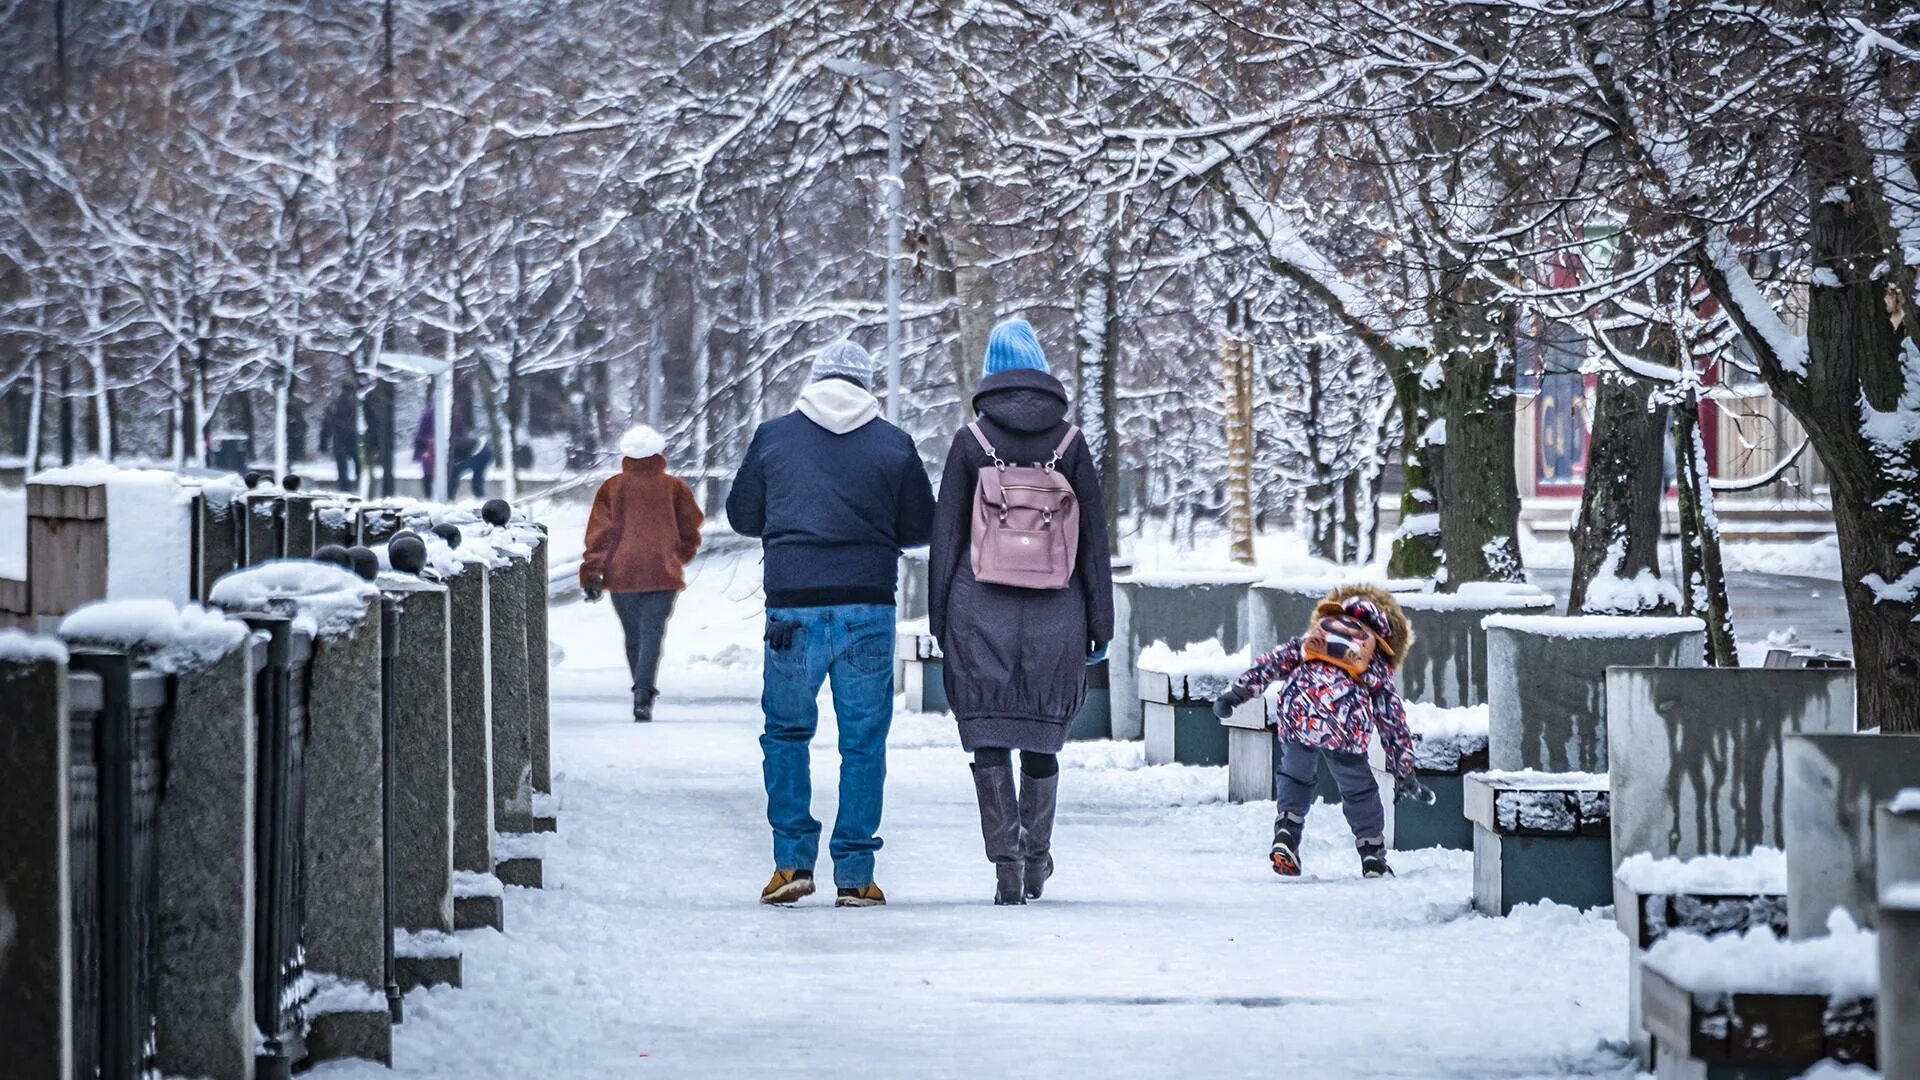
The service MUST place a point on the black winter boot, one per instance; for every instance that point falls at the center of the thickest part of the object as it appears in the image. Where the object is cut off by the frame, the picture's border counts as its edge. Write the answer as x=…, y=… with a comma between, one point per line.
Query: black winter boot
x=1000, y=828
x=1039, y=795
x=1373, y=859
x=1285, y=854
x=643, y=706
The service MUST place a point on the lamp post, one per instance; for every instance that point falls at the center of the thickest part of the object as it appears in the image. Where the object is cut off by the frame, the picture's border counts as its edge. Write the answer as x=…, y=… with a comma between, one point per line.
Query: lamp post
x=891, y=79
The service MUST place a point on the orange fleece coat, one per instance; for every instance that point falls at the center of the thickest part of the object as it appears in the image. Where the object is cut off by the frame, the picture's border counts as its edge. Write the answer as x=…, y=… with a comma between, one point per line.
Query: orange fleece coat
x=644, y=527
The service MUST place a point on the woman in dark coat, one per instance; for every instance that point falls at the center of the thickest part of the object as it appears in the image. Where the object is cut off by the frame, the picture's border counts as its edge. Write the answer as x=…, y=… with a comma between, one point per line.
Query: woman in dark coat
x=1016, y=659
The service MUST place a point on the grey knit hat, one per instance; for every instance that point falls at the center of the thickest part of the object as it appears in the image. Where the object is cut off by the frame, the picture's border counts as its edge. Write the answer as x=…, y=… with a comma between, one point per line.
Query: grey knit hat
x=844, y=359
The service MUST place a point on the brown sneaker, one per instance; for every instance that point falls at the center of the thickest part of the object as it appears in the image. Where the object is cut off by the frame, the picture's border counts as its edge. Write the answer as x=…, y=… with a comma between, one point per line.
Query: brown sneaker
x=868, y=895
x=788, y=887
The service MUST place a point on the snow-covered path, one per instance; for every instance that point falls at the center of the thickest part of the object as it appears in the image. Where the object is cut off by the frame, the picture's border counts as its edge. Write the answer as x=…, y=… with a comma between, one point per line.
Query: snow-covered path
x=1164, y=946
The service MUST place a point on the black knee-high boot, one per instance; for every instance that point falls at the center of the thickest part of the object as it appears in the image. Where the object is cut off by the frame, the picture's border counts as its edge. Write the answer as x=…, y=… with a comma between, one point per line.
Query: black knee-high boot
x=1000, y=828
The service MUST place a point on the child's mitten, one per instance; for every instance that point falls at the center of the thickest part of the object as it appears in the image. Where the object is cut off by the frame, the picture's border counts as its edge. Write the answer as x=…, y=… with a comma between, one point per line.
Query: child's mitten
x=1230, y=699
x=1410, y=787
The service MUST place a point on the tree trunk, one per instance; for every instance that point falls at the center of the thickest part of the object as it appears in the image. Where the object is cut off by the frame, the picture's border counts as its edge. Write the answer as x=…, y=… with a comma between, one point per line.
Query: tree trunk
x=1100, y=329
x=1702, y=573
x=1618, y=530
x=1479, y=495
x=1417, y=549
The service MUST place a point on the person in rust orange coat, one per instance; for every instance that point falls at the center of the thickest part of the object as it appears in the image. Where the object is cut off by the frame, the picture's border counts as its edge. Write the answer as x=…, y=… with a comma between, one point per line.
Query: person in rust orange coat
x=644, y=528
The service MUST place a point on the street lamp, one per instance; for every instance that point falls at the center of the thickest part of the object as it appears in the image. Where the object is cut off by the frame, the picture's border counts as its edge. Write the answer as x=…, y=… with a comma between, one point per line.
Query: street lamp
x=891, y=79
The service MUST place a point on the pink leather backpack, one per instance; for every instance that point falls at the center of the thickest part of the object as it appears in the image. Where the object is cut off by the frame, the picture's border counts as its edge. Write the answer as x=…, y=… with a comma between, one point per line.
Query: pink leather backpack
x=1026, y=520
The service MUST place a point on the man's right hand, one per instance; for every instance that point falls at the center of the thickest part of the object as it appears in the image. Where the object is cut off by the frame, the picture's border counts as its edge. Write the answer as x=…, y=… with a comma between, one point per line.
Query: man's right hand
x=594, y=592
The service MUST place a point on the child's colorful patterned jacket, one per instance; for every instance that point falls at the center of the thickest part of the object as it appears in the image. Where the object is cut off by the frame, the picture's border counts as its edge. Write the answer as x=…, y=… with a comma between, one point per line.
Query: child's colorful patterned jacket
x=1324, y=707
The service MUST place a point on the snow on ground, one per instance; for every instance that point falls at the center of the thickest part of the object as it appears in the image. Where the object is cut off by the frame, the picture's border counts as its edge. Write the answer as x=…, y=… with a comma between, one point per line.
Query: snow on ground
x=1164, y=945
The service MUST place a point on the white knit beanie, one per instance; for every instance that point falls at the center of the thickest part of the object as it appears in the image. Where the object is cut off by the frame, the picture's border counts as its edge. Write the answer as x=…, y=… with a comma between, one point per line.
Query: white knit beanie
x=844, y=359
x=641, y=441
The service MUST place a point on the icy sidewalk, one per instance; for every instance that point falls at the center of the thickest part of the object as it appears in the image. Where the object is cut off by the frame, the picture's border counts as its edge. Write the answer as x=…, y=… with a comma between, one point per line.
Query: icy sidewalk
x=1164, y=946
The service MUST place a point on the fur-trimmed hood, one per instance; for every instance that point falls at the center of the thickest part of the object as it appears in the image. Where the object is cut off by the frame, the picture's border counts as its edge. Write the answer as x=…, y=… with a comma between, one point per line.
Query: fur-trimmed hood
x=1376, y=608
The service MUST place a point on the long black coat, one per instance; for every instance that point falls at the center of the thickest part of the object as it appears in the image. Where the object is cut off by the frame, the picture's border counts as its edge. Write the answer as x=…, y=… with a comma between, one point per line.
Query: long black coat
x=1015, y=662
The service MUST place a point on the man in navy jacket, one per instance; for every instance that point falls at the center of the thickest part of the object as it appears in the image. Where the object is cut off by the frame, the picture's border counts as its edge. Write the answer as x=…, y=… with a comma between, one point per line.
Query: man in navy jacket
x=834, y=493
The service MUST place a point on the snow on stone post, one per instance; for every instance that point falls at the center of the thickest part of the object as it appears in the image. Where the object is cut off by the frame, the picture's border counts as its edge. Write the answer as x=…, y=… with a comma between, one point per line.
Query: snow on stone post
x=1547, y=688
x=336, y=521
x=203, y=826
x=539, y=706
x=423, y=795
x=378, y=523
x=1833, y=784
x=266, y=525
x=1898, y=877
x=1696, y=753
x=1179, y=609
x=344, y=854
x=36, y=936
x=297, y=525
x=476, y=892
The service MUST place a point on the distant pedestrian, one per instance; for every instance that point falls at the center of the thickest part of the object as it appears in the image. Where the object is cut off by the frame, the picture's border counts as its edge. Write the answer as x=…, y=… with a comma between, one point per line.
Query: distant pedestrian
x=340, y=433
x=1337, y=688
x=643, y=529
x=470, y=454
x=1016, y=647
x=834, y=493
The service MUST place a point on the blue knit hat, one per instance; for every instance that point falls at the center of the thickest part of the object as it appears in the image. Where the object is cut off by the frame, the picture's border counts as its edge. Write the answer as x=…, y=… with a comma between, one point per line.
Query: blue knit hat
x=1013, y=347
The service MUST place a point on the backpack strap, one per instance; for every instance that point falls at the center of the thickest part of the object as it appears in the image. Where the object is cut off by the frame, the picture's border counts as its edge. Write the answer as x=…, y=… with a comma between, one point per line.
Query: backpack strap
x=980, y=437
x=1073, y=432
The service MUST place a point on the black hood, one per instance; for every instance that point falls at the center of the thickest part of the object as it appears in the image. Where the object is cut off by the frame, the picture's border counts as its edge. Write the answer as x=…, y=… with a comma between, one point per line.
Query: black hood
x=1022, y=400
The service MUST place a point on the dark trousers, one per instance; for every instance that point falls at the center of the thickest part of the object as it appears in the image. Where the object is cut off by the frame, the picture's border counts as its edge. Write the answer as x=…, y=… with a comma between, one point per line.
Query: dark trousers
x=343, y=466
x=1297, y=767
x=643, y=617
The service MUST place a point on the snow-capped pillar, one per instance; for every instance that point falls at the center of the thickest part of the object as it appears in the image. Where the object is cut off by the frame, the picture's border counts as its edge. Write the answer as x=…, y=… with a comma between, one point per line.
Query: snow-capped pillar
x=217, y=537
x=1833, y=784
x=539, y=709
x=297, y=538
x=1696, y=753
x=512, y=738
x=1898, y=875
x=204, y=850
x=266, y=524
x=343, y=847
x=1546, y=682
x=476, y=892
x=336, y=521
x=378, y=523
x=423, y=795
x=36, y=947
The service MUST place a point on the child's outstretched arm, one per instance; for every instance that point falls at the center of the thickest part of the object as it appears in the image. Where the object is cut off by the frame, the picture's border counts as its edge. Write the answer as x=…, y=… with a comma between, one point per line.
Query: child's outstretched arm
x=1266, y=671
x=1395, y=739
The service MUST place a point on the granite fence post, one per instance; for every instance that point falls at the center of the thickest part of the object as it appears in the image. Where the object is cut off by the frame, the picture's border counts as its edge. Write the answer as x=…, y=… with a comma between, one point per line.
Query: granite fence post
x=205, y=836
x=471, y=702
x=297, y=538
x=335, y=521
x=266, y=524
x=539, y=716
x=218, y=540
x=423, y=796
x=512, y=759
x=378, y=523
x=36, y=930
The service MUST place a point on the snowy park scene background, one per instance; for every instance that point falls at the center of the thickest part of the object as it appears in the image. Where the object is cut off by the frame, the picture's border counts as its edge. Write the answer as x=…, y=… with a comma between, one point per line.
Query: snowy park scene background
x=1585, y=331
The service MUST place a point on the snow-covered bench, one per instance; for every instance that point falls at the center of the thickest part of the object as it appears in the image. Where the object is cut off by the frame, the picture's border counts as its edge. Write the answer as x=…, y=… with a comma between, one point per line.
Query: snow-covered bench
x=1539, y=836
x=1709, y=896
x=1177, y=691
x=1747, y=1005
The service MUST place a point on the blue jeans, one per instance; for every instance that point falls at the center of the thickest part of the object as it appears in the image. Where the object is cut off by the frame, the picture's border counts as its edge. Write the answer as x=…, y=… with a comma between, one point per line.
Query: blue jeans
x=853, y=646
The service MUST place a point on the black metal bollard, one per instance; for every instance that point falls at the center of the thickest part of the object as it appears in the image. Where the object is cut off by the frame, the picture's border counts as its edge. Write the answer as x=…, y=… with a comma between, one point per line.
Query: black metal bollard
x=84, y=702
x=280, y=702
x=389, y=652
x=127, y=736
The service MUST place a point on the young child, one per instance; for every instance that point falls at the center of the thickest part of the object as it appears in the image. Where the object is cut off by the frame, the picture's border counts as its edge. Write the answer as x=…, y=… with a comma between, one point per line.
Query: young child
x=1338, y=686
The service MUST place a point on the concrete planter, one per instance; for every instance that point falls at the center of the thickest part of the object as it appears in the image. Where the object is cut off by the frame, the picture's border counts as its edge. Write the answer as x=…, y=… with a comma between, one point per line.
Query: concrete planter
x=1180, y=727
x=1449, y=662
x=1180, y=610
x=1696, y=754
x=1833, y=785
x=1539, y=837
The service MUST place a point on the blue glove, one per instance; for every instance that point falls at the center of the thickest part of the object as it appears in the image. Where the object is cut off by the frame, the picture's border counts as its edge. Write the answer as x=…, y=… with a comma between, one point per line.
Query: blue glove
x=1098, y=655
